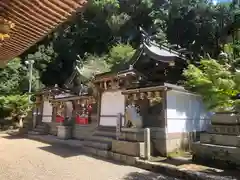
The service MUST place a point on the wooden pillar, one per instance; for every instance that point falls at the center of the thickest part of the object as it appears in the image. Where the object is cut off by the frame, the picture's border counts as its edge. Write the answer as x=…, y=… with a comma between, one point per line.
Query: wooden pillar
x=74, y=103
x=54, y=112
x=40, y=116
x=99, y=99
x=164, y=105
x=125, y=106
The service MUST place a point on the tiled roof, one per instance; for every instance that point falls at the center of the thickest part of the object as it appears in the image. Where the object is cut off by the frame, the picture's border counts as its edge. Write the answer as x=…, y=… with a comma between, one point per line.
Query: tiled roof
x=33, y=20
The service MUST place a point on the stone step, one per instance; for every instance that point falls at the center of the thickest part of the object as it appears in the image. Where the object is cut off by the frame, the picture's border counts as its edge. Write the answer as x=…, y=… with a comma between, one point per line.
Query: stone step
x=219, y=139
x=224, y=129
x=40, y=126
x=97, y=145
x=105, y=133
x=39, y=130
x=130, y=160
x=128, y=148
x=225, y=118
x=36, y=133
x=98, y=138
x=210, y=151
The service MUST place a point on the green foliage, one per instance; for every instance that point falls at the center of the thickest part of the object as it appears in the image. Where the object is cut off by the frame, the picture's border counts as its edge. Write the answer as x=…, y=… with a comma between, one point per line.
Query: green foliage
x=216, y=81
x=93, y=65
x=193, y=24
x=14, y=106
x=102, y=4
x=13, y=84
x=13, y=78
x=119, y=55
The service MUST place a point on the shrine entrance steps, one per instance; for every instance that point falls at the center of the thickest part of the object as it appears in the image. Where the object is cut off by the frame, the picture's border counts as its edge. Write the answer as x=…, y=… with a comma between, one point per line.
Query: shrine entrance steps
x=127, y=148
x=40, y=129
x=101, y=139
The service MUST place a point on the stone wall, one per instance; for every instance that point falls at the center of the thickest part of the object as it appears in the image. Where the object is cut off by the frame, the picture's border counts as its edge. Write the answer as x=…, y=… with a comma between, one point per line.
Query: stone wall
x=136, y=136
x=81, y=131
x=158, y=138
x=53, y=128
x=221, y=142
x=135, y=149
x=181, y=141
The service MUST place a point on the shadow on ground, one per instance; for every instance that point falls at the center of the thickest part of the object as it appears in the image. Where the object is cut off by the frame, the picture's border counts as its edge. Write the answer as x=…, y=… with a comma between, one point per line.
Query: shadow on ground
x=62, y=151
x=209, y=168
x=14, y=137
x=147, y=176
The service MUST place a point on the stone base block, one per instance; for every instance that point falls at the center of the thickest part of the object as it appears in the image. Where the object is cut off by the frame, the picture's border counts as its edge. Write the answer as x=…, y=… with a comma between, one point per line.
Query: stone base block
x=160, y=147
x=82, y=131
x=219, y=139
x=53, y=128
x=224, y=153
x=128, y=148
x=225, y=129
x=64, y=132
x=137, y=134
x=225, y=118
x=132, y=134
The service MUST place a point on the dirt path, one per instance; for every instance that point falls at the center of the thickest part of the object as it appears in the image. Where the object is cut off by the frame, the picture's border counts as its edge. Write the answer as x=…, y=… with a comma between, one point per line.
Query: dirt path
x=24, y=159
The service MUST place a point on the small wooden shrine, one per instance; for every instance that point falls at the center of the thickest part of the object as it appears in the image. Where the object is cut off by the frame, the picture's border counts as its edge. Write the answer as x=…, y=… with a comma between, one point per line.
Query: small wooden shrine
x=72, y=104
x=146, y=92
x=151, y=66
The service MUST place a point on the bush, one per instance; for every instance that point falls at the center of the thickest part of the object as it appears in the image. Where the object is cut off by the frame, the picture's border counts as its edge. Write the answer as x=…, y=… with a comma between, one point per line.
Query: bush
x=14, y=107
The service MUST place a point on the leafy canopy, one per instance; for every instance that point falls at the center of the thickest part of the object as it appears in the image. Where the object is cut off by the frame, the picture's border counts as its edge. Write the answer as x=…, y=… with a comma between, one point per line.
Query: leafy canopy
x=117, y=57
x=216, y=80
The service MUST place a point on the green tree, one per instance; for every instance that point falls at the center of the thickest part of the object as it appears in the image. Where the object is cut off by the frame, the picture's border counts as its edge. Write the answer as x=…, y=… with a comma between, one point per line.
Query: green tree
x=117, y=57
x=192, y=24
x=216, y=80
x=13, y=78
x=13, y=84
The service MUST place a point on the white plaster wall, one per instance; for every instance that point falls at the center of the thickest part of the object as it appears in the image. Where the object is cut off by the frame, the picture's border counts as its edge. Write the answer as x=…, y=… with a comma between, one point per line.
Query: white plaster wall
x=69, y=107
x=47, y=112
x=112, y=103
x=185, y=112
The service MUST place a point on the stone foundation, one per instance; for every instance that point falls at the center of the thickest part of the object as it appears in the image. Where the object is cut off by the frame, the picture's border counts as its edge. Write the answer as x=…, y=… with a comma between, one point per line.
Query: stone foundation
x=225, y=129
x=53, y=128
x=181, y=141
x=224, y=153
x=132, y=134
x=158, y=138
x=227, y=119
x=222, y=141
x=135, y=149
x=162, y=143
x=64, y=132
x=82, y=131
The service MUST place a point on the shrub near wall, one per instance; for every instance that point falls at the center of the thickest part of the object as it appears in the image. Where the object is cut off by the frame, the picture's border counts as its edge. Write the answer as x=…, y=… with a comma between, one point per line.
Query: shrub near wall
x=13, y=108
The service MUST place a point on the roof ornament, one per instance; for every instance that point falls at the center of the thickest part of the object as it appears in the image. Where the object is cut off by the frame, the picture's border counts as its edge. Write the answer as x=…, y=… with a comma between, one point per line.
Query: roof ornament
x=130, y=67
x=174, y=49
x=5, y=28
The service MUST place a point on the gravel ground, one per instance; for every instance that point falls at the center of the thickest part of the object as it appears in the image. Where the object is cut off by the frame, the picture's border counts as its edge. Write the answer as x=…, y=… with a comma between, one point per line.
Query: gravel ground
x=23, y=159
